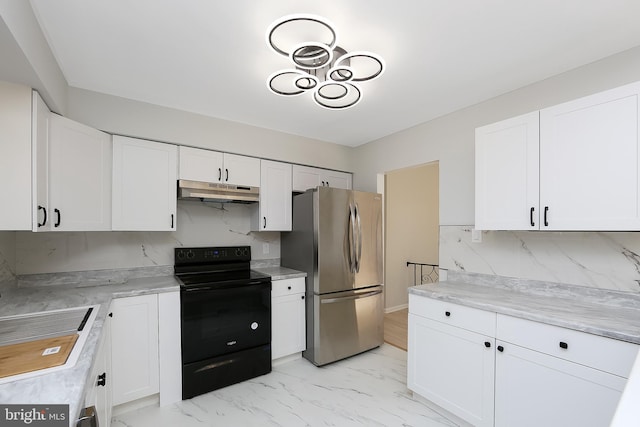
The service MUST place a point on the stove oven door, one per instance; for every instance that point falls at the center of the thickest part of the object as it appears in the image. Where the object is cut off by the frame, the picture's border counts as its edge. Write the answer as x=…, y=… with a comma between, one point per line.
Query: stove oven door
x=223, y=319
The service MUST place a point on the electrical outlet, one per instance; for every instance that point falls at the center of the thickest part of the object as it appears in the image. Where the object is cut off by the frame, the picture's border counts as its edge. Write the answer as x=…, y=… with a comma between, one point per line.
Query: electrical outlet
x=265, y=248
x=476, y=236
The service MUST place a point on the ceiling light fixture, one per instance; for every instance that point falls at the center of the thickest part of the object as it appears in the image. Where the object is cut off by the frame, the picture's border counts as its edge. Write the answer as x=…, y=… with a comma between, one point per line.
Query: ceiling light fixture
x=320, y=66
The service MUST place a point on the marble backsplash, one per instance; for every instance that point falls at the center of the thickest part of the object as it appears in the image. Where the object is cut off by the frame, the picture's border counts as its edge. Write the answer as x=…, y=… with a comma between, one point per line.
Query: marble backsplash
x=198, y=224
x=7, y=255
x=606, y=260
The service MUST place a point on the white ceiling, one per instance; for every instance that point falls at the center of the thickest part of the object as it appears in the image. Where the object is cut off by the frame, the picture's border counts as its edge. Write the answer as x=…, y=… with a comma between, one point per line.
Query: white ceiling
x=211, y=56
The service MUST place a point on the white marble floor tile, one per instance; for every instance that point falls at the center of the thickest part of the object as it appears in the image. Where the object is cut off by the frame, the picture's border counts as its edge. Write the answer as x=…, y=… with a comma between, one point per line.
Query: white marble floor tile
x=365, y=390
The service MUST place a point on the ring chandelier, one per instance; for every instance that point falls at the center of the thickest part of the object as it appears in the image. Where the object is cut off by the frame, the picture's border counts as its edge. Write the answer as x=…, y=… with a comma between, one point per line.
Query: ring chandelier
x=318, y=64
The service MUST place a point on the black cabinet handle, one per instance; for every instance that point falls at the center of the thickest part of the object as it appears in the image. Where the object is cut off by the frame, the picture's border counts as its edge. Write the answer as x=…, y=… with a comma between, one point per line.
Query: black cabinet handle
x=289, y=287
x=171, y=220
x=564, y=345
x=447, y=313
x=57, y=212
x=110, y=314
x=500, y=348
x=546, y=210
x=44, y=220
x=533, y=224
x=328, y=184
x=219, y=174
x=302, y=297
x=264, y=222
x=227, y=174
x=102, y=379
x=323, y=183
x=487, y=344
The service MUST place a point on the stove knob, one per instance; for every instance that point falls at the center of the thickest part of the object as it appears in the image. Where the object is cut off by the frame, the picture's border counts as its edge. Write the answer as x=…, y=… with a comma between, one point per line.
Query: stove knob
x=181, y=254
x=191, y=254
x=245, y=252
x=238, y=251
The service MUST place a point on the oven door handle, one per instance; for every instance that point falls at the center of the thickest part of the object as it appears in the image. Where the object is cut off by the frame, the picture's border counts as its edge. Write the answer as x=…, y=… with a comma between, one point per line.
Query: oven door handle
x=230, y=286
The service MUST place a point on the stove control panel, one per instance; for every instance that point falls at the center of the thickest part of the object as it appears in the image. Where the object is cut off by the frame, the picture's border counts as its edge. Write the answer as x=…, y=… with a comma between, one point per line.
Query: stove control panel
x=212, y=254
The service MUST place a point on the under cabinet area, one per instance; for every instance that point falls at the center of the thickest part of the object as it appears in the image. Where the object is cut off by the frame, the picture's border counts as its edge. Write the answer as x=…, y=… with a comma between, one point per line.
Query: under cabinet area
x=495, y=370
x=306, y=177
x=585, y=156
x=288, y=334
x=144, y=185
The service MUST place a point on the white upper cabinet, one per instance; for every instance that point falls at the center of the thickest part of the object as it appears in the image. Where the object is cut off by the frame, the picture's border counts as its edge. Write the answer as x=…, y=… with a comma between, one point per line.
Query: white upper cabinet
x=144, y=185
x=588, y=161
x=15, y=158
x=507, y=174
x=79, y=177
x=273, y=213
x=41, y=117
x=306, y=177
x=212, y=166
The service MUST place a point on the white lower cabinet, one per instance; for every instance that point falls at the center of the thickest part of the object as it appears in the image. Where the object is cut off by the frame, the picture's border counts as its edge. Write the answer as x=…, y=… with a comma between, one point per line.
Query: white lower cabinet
x=134, y=348
x=99, y=393
x=523, y=373
x=534, y=389
x=287, y=317
x=451, y=366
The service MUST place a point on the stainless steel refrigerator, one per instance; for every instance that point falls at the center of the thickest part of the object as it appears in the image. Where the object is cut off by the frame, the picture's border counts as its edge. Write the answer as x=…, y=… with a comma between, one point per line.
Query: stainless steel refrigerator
x=337, y=240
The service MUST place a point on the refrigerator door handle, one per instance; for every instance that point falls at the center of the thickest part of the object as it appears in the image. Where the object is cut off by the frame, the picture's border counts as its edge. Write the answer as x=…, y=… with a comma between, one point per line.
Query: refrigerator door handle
x=359, y=250
x=351, y=237
x=350, y=297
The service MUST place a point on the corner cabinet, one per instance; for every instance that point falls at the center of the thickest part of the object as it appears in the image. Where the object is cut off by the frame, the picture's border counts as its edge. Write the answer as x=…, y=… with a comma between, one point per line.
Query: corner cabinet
x=306, y=177
x=144, y=185
x=273, y=212
x=99, y=393
x=288, y=319
x=588, y=159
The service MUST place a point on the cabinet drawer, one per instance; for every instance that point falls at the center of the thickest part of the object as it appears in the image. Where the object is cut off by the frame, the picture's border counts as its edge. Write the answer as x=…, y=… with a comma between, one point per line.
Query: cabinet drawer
x=472, y=319
x=287, y=287
x=605, y=354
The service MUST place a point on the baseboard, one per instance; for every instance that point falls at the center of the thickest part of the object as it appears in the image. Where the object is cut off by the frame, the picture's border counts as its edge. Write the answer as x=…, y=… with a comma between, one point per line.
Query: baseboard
x=396, y=308
x=153, y=400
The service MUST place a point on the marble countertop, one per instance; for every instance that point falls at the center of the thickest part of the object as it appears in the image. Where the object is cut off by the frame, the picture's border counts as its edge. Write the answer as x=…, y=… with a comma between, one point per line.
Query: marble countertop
x=607, y=313
x=280, y=273
x=68, y=386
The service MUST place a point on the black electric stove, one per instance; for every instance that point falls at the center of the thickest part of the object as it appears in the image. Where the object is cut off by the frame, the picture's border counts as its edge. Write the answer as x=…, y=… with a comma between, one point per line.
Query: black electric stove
x=225, y=318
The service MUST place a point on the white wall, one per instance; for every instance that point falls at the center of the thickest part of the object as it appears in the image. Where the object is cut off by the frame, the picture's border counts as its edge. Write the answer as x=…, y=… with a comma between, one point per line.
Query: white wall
x=133, y=118
x=450, y=139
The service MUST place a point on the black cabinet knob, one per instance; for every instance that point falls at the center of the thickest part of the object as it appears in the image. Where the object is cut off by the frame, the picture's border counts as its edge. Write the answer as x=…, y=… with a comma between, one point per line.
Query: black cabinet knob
x=302, y=297
x=447, y=313
x=289, y=287
x=487, y=344
x=564, y=345
x=500, y=348
x=110, y=314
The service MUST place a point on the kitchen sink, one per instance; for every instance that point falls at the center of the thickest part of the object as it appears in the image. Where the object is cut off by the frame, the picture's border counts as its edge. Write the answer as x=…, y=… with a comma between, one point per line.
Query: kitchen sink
x=63, y=331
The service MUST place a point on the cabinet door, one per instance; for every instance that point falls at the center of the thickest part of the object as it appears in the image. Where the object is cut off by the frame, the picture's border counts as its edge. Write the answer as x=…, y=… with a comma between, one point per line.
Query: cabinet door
x=336, y=179
x=305, y=177
x=534, y=389
x=15, y=157
x=40, y=122
x=144, y=185
x=507, y=174
x=200, y=165
x=79, y=176
x=275, y=197
x=589, y=162
x=134, y=348
x=453, y=368
x=287, y=325
x=241, y=170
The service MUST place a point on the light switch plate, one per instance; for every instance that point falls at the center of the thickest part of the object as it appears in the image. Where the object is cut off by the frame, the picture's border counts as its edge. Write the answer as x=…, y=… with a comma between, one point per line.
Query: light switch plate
x=476, y=236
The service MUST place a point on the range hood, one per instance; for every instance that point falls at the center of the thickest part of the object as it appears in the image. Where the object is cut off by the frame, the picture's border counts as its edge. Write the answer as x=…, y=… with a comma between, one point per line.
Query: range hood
x=218, y=192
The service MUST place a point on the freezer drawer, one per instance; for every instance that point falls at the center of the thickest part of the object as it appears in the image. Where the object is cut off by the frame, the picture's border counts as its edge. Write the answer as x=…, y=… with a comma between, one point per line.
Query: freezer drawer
x=344, y=323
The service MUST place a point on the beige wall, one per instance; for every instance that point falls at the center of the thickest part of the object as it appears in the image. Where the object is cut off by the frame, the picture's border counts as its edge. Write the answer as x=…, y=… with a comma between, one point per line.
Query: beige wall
x=450, y=139
x=411, y=228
